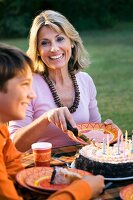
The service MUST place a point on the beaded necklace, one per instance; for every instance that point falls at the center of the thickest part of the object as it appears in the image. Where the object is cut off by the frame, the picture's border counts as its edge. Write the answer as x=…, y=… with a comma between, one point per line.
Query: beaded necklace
x=57, y=100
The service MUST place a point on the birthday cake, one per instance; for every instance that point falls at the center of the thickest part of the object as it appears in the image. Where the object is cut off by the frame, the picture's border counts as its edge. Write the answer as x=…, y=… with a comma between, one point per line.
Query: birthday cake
x=111, y=162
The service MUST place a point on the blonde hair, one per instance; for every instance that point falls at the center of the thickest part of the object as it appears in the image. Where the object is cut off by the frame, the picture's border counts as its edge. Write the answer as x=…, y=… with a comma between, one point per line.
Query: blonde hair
x=79, y=58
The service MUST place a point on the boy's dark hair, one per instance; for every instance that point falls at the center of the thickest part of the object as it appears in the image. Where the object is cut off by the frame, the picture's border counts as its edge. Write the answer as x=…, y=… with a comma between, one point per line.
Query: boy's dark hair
x=13, y=62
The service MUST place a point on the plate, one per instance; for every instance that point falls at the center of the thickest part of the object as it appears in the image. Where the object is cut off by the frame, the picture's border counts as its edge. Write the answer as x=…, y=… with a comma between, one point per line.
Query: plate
x=127, y=192
x=40, y=177
x=119, y=179
x=20, y=178
x=98, y=131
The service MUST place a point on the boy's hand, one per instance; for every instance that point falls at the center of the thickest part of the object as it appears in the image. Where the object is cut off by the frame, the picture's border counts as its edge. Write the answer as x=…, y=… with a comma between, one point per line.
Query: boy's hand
x=96, y=183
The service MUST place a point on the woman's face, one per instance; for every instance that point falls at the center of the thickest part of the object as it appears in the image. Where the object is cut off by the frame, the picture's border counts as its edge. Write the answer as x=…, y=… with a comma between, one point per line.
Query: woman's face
x=54, y=48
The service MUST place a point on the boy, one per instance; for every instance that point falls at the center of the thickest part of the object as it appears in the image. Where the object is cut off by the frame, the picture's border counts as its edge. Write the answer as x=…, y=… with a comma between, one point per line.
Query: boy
x=15, y=94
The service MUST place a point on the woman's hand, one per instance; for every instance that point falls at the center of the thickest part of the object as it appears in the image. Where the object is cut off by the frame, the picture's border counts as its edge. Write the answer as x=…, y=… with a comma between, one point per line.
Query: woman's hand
x=108, y=121
x=58, y=116
x=96, y=183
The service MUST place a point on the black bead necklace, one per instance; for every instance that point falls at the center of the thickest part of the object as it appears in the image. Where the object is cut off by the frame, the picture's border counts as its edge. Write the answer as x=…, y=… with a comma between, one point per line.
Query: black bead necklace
x=57, y=100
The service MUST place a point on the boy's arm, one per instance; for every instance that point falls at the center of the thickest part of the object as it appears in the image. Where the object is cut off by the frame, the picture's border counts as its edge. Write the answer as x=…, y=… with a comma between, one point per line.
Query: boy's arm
x=12, y=159
x=9, y=166
x=7, y=189
x=79, y=189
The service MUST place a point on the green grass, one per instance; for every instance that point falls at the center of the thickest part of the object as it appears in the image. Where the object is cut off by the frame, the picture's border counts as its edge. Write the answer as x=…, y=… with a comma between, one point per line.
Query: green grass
x=22, y=43
x=111, y=54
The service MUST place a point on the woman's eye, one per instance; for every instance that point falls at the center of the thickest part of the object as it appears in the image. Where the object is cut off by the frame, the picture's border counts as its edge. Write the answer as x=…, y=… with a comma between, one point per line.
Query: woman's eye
x=60, y=39
x=44, y=43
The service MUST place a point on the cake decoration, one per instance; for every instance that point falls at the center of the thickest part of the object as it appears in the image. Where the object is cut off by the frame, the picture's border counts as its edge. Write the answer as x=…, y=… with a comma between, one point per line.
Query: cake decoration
x=108, y=160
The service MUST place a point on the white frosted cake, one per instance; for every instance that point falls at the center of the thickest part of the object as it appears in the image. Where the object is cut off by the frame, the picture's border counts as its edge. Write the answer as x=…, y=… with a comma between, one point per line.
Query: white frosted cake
x=112, y=161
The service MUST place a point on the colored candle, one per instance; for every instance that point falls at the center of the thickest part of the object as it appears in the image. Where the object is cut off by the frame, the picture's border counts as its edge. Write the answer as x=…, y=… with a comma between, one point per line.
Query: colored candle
x=122, y=143
x=129, y=147
x=104, y=146
x=126, y=139
x=107, y=144
x=124, y=150
x=118, y=145
x=126, y=136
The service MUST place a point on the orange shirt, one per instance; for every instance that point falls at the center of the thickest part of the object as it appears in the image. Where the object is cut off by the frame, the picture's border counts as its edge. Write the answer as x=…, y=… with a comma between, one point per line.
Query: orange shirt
x=10, y=164
x=78, y=190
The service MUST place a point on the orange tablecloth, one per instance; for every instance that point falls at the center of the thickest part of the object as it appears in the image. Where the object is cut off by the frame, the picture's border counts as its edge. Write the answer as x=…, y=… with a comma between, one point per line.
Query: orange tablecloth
x=68, y=154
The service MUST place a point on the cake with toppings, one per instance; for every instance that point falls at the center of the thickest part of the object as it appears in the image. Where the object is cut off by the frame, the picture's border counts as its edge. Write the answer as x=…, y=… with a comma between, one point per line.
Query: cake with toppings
x=112, y=162
x=63, y=176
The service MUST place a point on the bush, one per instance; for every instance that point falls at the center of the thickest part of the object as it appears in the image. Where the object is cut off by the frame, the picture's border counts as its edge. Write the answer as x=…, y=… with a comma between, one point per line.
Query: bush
x=16, y=16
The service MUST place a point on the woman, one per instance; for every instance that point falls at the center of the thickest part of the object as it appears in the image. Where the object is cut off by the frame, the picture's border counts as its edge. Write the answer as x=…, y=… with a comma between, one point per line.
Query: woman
x=58, y=56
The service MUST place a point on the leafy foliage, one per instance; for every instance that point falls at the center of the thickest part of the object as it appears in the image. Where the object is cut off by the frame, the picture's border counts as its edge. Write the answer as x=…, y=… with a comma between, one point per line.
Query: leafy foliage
x=16, y=16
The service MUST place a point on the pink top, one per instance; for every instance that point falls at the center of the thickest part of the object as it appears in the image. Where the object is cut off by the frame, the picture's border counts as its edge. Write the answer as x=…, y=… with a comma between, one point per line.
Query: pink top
x=87, y=110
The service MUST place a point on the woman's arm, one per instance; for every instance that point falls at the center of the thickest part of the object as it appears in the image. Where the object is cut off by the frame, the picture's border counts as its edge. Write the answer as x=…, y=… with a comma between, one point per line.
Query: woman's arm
x=24, y=137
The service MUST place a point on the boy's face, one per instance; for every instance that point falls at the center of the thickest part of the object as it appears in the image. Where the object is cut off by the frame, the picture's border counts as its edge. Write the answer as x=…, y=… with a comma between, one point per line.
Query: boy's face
x=19, y=93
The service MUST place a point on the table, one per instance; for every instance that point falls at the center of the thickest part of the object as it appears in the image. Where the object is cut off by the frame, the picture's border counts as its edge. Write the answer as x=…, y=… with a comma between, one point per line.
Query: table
x=65, y=155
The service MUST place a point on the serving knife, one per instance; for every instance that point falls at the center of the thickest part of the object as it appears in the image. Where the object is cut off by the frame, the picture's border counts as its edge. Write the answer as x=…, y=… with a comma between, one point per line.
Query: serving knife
x=64, y=162
x=81, y=137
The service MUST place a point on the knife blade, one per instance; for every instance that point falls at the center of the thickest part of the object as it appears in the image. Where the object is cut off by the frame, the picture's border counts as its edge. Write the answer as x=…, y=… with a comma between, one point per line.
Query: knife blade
x=77, y=133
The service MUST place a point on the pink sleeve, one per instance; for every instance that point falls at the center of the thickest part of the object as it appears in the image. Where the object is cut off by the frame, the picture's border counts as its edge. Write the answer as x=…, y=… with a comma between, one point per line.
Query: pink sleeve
x=93, y=107
x=88, y=102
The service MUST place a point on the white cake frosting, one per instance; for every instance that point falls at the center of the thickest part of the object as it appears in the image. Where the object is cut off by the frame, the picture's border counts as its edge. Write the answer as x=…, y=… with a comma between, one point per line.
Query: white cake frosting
x=110, y=155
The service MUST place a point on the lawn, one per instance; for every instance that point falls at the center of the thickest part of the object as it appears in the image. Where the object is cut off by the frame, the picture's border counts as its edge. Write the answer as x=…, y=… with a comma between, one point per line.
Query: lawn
x=111, y=54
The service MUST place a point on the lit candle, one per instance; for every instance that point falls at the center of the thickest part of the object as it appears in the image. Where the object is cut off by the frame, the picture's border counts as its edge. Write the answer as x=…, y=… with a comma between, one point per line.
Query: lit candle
x=104, y=146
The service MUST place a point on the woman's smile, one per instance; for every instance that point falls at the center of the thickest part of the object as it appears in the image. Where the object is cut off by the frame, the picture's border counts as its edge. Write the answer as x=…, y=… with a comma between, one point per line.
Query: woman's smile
x=54, y=48
x=58, y=57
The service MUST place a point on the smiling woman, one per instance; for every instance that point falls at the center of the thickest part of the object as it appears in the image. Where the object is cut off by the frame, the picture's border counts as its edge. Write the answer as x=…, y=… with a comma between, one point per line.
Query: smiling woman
x=58, y=54
x=54, y=48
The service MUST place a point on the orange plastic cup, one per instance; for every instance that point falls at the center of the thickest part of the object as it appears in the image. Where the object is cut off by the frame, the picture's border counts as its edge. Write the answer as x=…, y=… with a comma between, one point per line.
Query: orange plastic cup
x=42, y=153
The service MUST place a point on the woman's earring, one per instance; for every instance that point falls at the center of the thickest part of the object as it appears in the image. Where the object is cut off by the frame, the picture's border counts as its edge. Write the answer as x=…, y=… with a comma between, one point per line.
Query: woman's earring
x=72, y=45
